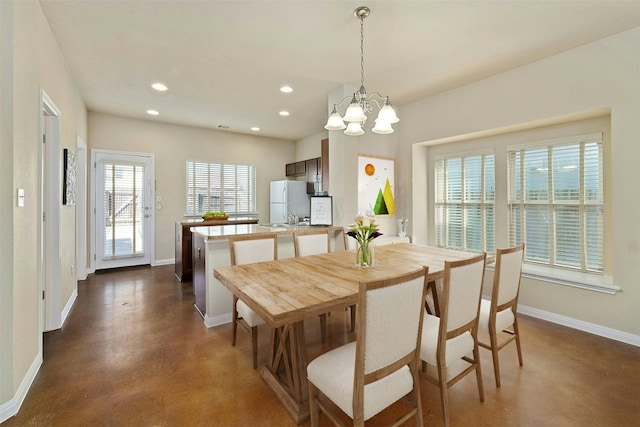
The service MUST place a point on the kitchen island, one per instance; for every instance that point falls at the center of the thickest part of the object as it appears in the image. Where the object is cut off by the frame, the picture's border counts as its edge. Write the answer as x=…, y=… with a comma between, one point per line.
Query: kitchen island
x=211, y=250
x=184, y=244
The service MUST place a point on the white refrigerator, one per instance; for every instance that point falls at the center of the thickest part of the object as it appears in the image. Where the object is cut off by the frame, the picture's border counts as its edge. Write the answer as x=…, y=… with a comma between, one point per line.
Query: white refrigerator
x=288, y=197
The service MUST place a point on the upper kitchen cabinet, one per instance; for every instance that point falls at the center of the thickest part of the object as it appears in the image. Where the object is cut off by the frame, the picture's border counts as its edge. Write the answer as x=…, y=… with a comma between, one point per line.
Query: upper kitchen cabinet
x=296, y=168
x=324, y=164
x=312, y=167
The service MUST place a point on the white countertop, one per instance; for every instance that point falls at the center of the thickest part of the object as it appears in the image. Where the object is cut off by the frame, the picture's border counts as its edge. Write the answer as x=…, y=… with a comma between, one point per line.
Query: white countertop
x=222, y=232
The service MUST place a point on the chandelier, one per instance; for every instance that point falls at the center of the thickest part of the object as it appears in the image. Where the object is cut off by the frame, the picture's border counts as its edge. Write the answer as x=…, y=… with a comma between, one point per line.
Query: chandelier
x=362, y=104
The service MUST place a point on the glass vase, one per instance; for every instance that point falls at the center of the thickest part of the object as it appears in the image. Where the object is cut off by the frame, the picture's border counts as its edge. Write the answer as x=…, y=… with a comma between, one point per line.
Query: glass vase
x=402, y=227
x=364, y=254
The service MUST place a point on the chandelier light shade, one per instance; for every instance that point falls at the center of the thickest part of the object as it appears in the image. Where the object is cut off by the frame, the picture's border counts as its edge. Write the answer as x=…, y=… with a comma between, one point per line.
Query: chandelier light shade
x=354, y=129
x=362, y=104
x=335, y=121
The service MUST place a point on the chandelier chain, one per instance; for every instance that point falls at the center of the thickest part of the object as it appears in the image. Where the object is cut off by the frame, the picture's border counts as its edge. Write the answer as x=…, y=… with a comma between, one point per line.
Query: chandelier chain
x=361, y=51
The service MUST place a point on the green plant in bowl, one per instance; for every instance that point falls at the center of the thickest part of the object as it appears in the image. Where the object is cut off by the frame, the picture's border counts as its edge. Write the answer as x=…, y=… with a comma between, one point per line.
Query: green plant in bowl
x=214, y=215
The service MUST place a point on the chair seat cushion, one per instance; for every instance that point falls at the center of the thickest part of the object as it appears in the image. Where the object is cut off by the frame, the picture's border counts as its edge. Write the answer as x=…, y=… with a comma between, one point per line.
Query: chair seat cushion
x=504, y=318
x=248, y=315
x=456, y=347
x=332, y=373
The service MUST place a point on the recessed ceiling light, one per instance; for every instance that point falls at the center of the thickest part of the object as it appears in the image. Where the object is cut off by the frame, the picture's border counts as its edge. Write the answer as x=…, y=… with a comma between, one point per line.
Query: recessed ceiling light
x=152, y=112
x=255, y=129
x=286, y=89
x=159, y=87
x=284, y=113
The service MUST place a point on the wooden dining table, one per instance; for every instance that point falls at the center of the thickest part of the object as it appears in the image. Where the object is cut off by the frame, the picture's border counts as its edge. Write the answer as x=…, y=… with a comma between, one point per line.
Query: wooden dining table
x=286, y=292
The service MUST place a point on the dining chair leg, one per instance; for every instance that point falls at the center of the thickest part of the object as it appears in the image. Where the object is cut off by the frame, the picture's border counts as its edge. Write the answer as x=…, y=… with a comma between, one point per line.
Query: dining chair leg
x=416, y=395
x=234, y=321
x=517, y=334
x=476, y=356
x=254, y=345
x=314, y=410
x=444, y=395
x=323, y=327
x=352, y=309
x=493, y=339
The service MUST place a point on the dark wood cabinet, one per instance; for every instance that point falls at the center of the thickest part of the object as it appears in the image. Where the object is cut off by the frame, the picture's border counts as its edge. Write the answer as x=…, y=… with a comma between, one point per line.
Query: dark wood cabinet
x=183, y=267
x=311, y=168
x=324, y=164
x=184, y=256
x=301, y=167
x=314, y=167
x=290, y=169
x=296, y=168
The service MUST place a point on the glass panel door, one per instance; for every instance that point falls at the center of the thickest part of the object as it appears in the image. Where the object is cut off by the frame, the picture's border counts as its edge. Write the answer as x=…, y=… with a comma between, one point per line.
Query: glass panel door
x=123, y=210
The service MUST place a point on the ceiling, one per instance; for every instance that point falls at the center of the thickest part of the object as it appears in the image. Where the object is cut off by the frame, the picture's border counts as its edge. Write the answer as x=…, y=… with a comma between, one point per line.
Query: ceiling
x=224, y=61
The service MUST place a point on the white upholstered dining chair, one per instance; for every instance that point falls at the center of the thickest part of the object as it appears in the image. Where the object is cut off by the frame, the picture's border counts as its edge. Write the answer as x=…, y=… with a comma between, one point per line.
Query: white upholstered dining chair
x=249, y=249
x=450, y=342
x=313, y=242
x=381, y=367
x=500, y=314
x=350, y=244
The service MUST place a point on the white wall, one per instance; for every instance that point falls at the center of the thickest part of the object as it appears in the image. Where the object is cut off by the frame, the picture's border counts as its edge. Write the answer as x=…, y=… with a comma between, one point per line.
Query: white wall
x=173, y=145
x=601, y=76
x=6, y=203
x=31, y=61
x=310, y=147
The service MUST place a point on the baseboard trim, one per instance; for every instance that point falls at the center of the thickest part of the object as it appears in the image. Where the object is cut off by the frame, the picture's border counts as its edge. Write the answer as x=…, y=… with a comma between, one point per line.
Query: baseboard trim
x=69, y=306
x=591, y=328
x=163, y=262
x=210, y=322
x=11, y=408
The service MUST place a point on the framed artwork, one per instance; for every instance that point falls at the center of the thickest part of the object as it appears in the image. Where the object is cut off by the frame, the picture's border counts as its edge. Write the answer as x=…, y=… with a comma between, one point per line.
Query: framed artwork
x=69, y=163
x=321, y=212
x=376, y=184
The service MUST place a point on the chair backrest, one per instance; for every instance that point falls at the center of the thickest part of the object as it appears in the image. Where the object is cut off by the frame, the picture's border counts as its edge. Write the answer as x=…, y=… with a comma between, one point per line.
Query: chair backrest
x=349, y=242
x=311, y=242
x=506, y=280
x=250, y=249
x=462, y=290
x=389, y=325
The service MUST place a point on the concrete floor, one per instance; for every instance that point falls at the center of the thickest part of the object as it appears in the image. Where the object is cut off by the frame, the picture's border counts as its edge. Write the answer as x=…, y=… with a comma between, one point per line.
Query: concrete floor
x=134, y=352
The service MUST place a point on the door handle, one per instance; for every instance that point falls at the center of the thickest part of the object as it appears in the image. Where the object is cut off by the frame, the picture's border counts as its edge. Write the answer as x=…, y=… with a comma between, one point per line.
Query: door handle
x=199, y=253
x=146, y=215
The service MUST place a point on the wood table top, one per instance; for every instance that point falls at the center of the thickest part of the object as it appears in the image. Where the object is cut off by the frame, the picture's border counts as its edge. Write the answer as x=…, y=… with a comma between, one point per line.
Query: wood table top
x=293, y=289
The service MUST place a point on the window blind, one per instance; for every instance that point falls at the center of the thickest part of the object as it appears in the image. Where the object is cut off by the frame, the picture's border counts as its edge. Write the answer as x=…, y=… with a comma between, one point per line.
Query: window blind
x=220, y=187
x=465, y=195
x=556, y=202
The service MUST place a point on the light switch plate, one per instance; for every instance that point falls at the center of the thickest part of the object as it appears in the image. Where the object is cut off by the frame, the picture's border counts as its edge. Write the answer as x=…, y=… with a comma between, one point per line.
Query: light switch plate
x=21, y=197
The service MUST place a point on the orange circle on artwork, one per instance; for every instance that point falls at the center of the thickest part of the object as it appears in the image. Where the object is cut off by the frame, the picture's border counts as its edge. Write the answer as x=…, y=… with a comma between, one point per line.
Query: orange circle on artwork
x=369, y=169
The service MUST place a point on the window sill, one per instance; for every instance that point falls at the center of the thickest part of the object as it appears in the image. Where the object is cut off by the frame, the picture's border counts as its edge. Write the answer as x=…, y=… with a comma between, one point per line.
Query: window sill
x=590, y=282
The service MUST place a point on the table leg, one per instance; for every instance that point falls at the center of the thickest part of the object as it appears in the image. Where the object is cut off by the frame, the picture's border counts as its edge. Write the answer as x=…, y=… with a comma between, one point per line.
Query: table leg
x=433, y=289
x=286, y=372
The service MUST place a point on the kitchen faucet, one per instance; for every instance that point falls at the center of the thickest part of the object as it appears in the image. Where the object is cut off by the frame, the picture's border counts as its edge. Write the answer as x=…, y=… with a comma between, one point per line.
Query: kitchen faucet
x=293, y=218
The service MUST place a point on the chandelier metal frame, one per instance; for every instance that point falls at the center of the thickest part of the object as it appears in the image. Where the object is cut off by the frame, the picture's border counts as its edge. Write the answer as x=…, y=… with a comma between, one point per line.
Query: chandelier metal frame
x=362, y=103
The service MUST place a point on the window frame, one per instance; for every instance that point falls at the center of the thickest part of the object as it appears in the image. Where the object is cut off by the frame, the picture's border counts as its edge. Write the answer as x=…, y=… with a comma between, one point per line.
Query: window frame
x=526, y=136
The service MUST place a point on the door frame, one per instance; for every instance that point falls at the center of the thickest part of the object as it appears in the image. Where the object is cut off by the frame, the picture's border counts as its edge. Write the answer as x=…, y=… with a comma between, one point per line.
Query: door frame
x=50, y=202
x=81, y=210
x=150, y=234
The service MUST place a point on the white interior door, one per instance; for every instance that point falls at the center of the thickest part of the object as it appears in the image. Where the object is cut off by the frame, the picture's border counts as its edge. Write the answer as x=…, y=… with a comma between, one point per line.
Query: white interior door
x=50, y=189
x=123, y=208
